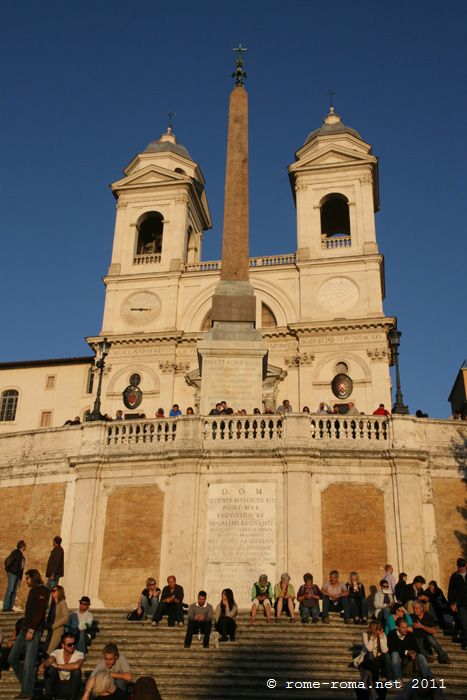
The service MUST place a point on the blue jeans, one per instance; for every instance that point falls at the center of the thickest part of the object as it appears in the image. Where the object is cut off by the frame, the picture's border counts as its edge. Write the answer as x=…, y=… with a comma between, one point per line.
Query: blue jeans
x=434, y=644
x=10, y=594
x=80, y=635
x=25, y=670
x=358, y=607
x=396, y=666
x=52, y=581
x=336, y=605
x=149, y=606
x=306, y=613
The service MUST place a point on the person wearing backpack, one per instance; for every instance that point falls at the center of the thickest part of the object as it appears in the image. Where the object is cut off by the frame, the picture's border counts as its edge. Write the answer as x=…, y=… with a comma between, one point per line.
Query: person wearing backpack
x=14, y=567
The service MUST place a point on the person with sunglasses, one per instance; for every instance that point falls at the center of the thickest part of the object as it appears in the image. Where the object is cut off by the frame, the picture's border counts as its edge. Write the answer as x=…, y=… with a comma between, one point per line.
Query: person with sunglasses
x=62, y=670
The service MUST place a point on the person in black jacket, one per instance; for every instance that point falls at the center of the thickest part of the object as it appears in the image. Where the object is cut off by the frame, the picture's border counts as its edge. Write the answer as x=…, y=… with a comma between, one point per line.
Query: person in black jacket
x=457, y=597
x=14, y=565
x=403, y=645
x=23, y=656
x=55, y=565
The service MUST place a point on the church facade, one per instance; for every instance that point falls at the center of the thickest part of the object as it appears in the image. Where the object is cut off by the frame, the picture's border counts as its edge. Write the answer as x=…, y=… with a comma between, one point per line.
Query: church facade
x=217, y=500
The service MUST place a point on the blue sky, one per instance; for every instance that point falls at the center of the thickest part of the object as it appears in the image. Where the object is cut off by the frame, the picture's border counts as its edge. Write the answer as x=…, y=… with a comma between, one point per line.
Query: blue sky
x=87, y=85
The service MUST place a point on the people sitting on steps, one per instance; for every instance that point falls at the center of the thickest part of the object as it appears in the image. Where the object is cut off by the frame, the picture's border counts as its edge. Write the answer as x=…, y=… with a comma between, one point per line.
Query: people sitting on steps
x=200, y=616
x=261, y=596
x=171, y=603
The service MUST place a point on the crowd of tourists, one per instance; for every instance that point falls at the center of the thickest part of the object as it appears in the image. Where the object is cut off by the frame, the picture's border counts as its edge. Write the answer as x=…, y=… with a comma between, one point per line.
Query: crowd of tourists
x=51, y=641
x=401, y=623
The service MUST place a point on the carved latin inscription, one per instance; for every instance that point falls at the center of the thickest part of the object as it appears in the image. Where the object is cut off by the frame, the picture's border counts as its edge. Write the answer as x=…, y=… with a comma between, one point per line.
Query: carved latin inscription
x=241, y=537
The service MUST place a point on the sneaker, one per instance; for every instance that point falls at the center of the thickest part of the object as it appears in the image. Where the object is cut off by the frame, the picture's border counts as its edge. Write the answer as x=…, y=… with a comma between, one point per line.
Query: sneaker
x=356, y=620
x=180, y=624
x=154, y=623
x=326, y=620
x=315, y=619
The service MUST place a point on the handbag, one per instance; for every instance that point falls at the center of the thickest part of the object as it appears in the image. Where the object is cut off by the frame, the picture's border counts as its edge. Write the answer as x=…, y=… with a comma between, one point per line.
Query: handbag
x=134, y=615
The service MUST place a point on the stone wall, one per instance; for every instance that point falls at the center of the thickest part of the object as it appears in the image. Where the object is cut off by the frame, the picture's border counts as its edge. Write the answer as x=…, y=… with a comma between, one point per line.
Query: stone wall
x=353, y=522
x=132, y=544
x=449, y=500
x=34, y=514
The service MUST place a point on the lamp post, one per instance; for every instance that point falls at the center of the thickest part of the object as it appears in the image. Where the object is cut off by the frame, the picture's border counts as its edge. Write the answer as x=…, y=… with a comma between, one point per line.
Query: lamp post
x=394, y=338
x=103, y=350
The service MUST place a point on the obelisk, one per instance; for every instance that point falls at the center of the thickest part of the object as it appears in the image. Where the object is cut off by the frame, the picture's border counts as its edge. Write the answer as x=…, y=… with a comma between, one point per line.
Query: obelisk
x=232, y=357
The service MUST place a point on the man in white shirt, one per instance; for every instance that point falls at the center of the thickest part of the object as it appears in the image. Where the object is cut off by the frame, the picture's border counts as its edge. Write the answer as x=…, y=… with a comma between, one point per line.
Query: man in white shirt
x=62, y=670
x=81, y=621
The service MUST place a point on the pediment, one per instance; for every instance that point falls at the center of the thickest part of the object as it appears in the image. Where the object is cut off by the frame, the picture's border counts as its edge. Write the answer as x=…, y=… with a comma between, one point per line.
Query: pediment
x=148, y=176
x=332, y=155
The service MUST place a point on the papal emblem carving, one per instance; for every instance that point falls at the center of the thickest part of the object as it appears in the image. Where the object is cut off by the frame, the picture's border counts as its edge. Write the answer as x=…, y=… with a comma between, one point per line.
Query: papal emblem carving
x=342, y=386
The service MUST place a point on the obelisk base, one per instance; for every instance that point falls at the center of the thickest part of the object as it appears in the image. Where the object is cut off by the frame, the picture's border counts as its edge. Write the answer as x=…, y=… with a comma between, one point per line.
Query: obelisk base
x=232, y=371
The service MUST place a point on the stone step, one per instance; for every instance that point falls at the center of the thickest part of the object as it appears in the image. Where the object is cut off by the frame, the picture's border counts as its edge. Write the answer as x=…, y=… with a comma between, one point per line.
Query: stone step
x=319, y=653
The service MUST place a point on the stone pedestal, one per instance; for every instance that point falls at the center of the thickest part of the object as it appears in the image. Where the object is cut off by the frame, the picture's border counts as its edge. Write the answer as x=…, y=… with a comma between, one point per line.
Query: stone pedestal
x=232, y=371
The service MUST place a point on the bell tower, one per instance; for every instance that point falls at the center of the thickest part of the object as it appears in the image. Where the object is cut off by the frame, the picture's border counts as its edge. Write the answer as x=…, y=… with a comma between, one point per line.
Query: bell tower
x=335, y=186
x=162, y=212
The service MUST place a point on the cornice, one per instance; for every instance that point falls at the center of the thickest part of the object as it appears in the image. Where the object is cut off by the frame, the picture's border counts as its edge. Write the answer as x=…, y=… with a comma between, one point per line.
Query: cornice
x=344, y=325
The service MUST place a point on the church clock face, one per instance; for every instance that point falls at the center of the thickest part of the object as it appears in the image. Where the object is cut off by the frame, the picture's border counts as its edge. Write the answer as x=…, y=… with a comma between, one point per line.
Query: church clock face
x=338, y=294
x=140, y=308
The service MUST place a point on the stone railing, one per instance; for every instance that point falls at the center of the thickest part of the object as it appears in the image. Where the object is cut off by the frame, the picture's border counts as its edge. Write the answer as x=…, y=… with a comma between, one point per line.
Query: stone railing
x=336, y=242
x=47, y=449
x=139, y=432
x=204, y=266
x=245, y=429
x=261, y=261
x=342, y=428
x=273, y=260
x=146, y=258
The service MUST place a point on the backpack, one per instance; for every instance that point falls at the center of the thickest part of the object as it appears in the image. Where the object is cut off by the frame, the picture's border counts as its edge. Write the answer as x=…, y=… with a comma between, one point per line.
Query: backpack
x=9, y=560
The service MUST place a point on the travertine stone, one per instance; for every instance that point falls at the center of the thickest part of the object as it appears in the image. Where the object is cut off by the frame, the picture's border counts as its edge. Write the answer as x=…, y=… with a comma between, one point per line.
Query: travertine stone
x=241, y=537
x=33, y=514
x=449, y=498
x=353, y=532
x=132, y=543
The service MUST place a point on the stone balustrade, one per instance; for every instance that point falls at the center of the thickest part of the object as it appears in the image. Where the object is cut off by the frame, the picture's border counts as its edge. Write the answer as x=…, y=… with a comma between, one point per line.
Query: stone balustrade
x=364, y=428
x=260, y=261
x=51, y=448
x=141, y=431
x=244, y=429
x=336, y=242
x=147, y=258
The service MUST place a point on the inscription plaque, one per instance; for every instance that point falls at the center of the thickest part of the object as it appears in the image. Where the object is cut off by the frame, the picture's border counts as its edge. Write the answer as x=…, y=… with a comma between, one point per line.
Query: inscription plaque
x=240, y=538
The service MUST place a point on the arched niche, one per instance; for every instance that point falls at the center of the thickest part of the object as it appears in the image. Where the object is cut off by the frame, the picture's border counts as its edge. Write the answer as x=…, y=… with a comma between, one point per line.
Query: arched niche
x=149, y=233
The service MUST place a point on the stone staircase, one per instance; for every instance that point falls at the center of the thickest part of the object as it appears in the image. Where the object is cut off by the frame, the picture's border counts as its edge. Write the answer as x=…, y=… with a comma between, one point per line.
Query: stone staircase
x=285, y=652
